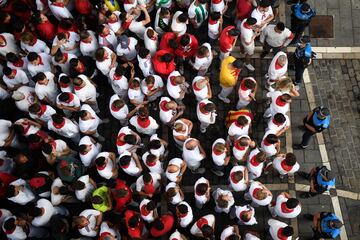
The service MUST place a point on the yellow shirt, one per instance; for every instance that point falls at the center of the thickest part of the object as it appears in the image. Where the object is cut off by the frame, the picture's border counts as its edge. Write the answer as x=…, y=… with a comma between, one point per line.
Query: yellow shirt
x=112, y=7
x=228, y=77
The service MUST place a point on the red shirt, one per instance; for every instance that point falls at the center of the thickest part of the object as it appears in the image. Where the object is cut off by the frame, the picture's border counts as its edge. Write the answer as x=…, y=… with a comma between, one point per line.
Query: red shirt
x=163, y=68
x=83, y=6
x=226, y=41
x=121, y=202
x=244, y=9
x=189, y=50
x=133, y=232
x=164, y=42
x=5, y=179
x=168, y=221
x=46, y=30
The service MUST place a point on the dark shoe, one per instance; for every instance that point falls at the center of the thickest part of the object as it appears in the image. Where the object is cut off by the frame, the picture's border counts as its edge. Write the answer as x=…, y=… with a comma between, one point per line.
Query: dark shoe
x=299, y=147
x=302, y=127
x=263, y=54
x=308, y=216
x=304, y=175
x=305, y=195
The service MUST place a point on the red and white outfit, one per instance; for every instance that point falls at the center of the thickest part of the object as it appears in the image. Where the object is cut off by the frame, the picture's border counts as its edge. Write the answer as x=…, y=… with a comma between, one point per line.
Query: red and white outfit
x=275, y=71
x=156, y=167
x=178, y=197
x=220, y=192
x=205, y=220
x=246, y=36
x=138, y=28
x=118, y=83
x=172, y=88
x=65, y=87
x=87, y=92
x=25, y=195
x=130, y=52
x=45, y=113
x=226, y=42
x=192, y=157
x=146, y=66
x=107, y=170
x=250, y=236
x=89, y=124
x=37, y=46
x=280, y=165
x=250, y=195
x=151, y=187
x=122, y=146
x=178, y=27
x=276, y=106
x=185, y=134
x=227, y=232
x=173, y=177
x=29, y=128
x=91, y=215
x=217, y=6
x=240, y=210
x=268, y=148
x=73, y=101
x=157, y=84
x=20, y=78
x=205, y=118
x=200, y=200
x=147, y=126
x=188, y=50
x=65, y=67
x=59, y=10
x=151, y=43
x=119, y=114
x=200, y=93
x=89, y=48
x=261, y=16
x=241, y=185
x=136, y=94
x=106, y=230
x=130, y=169
x=165, y=114
x=235, y=130
x=255, y=168
x=95, y=148
x=279, y=209
x=276, y=127
x=213, y=29
x=109, y=40
x=29, y=98
x=148, y=216
x=275, y=39
x=104, y=65
x=187, y=218
x=10, y=44
x=48, y=211
x=238, y=150
x=202, y=64
x=43, y=66
x=49, y=91
x=115, y=24
x=67, y=129
x=244, y=93
x=218, y=157
x=276, y=228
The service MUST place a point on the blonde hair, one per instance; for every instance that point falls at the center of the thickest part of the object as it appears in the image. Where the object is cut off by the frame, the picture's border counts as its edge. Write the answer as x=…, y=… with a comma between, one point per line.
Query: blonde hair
x=285, y=84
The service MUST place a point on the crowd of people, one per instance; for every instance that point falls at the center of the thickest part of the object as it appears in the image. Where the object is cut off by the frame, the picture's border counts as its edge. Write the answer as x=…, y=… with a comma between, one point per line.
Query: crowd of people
x=57, y=181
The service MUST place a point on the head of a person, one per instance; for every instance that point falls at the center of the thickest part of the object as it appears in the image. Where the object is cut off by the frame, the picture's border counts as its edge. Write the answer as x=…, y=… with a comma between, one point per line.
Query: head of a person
x=305, y=8
x=33, y=138
x=119, y=71
x=244, y=141
x=101, y=54
x=35, y=212
x=234, y=32
x=41, y=78
x=207, y=231
x=233, y=236
x=222, y=202
x=130, y=139
x=33, y=58
x=151, y=158
x=124, y=41
x=9, y=225
x=292, y=203
x=290, y=159
x=147, y=178
x=62, y=36
x=237, y=176
x=134, y=221
x=47, y=148
x=78, y=185
x=210, y=107
x=286, y=98
x=167, y=57
x=220, y=147
x=118, y=104
x=335, y=224
x=74, y=62
x=57, y=118
x=63, y=190
x=260, y=157
x=134, y=84
x=261, y=194
x=323, y=113
x=11, y=191
x=150, y=81
x=327, y=174
x=304, y=40
x=12, y=57
x=85, y=36
x=249, y=84
x=121, y=193
x=64, y=97
x=237, y=64
x=144, y=53
x=264, y=5
x=242, y=121
x=64, y=80
x=27, y=38
x=154, y=144
x=185, y=40
x=19, y=27
x=59, y=57
x=203, y=52
x=201, y=189
x=215, y=16
x=272, y=138
x=96, y=200
x=183, y=17
x=173, y=43
x=171, y=192
x=288, y=231
x=251, y=21
x=78, y=81
x=151, y=205
x=103, y=30
x=279, y=118
x=150, y=33
x=165, y=12
x=80, y=221
x=182, y=208
x=10, y=73
x=282, y=60
x=100, y=162
x=279, y=27
x=158, y=224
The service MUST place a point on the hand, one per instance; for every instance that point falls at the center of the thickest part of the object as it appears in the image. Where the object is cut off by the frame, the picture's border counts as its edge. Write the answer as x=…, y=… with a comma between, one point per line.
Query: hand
x=61, y=42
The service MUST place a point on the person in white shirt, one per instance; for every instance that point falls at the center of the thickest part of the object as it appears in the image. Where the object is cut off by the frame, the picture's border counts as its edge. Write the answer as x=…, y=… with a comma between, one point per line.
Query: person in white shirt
x=19, y=192
x=203, y=59
x=30, y=43
x=148, y=184
x=26, y=127
x=184, y=214
x=145, y=63
x=247, y=91
x=88, y=222
x=106, y=230
x=88, y=150
x=106, y=165
x=127, y=140
x=181, y=131
x=114, y=21
x=175, y=169
x=231, y=232
x=174, y=193
x=16, y=62
x=169, y=110
x=198, y=12
x=201, y=88
x=158, y=146
x=84, y=187
x=153, y=163
x=255, y=163
x=85, y=89
x=202, y=192
x=62, y=61
x=224, y=200
x=105, y=60
x=285, y=206
x=245, y=215
x=240, y=127
x=4, y=213
x=285, y=164
x=278, y=124
x=163, y=18
x=277, y=70
x=206, y=113
x=18, y=228
x=7, y=134
x=68, y=102
x=239, y=178
x=65, y=83
x=58, y=9
x=280, y=230
x=153, y=87
x=275, y=37
x=126, y=49
x=43, y=211
x=14, y=78
x=107, y=37
x=143, y=122
x=176, y=86
x=136, y=96
x=263, y=14
x=24, y=97
x=46, y=88
x=129, y=162
x=204, y=227
x=8, y=44
x=280, y=103
x=119, y=109
x=193, y=154
x=248, y=34
x=88, y=43
x=252, y=236
x=67, y=42
x=119, y=81
x=151, y=40
x=270, y=144
x=258, y=194
x=64, y=127
x=54, y=149
x=138, y=27
x=89, y=122
x=179, y=22
x=220, y=153
x=148, y=210
x=39, y=63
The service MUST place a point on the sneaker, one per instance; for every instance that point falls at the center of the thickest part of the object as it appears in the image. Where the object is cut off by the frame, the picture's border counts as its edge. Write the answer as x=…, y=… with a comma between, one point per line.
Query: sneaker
x=225, y=100
x=105, y=120
x=263, y=54
x=101, y=138
x=203, y=130
x=305, y=195
x=297, y=87
x=217, y=173
x=249, y=67
x=299, y=147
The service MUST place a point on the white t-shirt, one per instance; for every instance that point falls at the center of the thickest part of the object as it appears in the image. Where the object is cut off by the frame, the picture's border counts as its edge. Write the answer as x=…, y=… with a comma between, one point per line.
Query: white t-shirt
x=88, y=158
x=44, y=66
x=18, y=233
x=238, y=150
x=24, y=196
x=249, y=236
x=178, y=27
x=155, y=181
x=157, y=167
x=89, y=49
x=205, y=118
x=268, y=148
x=104, y=66
x=200, y=93
x=87, y=92
x=29, y=93
x=89, y=124
x=173, y=176
x=186, y=220
x=236, y=131
x=44, y=116
x=130, y=51
x=56, y=199
x=261, y=16
x=108, y=41
x=19, y=78
x=39, y=47
x=4, y=130
x=90, y=214
x=120, y=114
x=254, y=167
x=165, y=114
x=84, y=194
x=65, y=67
x=119, y=84
x=195, y=229
x=145, y=64
x=275, y=127
x=75, y=102
x=105, y=228
x=275, y=39
x=138, y=28
x=204, y=62
x=177, y=198
x=277, y=164
x=59, y=12
x=121, y=147
x=49, y=211
x=71, y=42
x=275, y=225
x=214, y=29
x=150, y=44
x=254, y=186
x=173, y=88
x=160, y=151
x=150, y=215
x=281, y=200
x=199, y=12
x=240, y=209
x=149, y=130
x=275, y=100
x=192, y=157
x=241, y=185
x=227, y=232
x=220, y=192
x=10, y=46
x=219, y=159
x=69, y=130
x=246, y=34
x=136, y=94
x=200, y=199
x=115, y=25
x=185, y=134
x=50, y=90
x=29, y=128
x=158, y=83
x=107, y=171
x=131, y=169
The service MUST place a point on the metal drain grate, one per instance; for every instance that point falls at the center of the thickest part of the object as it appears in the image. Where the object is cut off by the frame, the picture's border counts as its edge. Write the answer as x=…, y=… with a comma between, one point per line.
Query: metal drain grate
x=322, y=26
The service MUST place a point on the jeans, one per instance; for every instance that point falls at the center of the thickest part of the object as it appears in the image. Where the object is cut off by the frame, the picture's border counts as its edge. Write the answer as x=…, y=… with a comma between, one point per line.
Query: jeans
x=306, y=137
x=299, y=71
x=225, y=91
x=267, y=48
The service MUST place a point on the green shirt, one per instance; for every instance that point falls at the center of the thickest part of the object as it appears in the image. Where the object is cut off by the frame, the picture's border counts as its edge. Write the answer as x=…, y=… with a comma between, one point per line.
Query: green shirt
x=103, y=193
x=69, y=168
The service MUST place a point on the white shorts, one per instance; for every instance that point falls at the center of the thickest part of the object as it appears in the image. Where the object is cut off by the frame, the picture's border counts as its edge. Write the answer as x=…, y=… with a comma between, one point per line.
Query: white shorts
x=249, y=49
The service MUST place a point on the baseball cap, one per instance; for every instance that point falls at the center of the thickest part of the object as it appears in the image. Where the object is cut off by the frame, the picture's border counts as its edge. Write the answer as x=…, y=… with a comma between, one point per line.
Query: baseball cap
x=123, y=40
x=336, y=223
x=324, y=112
x=328, y=174
x=305, y=8
x=305, y=39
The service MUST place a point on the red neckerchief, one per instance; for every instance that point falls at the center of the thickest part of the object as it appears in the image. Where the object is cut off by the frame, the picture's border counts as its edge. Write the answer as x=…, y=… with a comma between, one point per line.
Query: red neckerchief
x=63, y=85
x=40, y=60
x=14, y=71
x=201, y=108
x=150, y=164
x=163, y=107
x=9, y=231
x=119, y=142
x=266, y=143
x=238, y=146
x=277, y=66
x=71, y=97
x=279, y=102
x=144, y=211
x=105, y=234
x=201, y=222
x=42, y=110
x=113, y=21
x=241, y=216
x=255, y=191
x=19, y=63
x=114, y=109
x=182, y=215
x=33, y=42
x=276, y=123
x=125, y=166
x=280, y=234
x=53, y=144
x=66, y=56
x=285, y=166
x=217, y=153
x=212, y=22
x=101, y=167
x=26, y=128
x=196, y=87
x=58, y=4
x=103, y=35
x=143, y=123
x=84, y=41
x=3, y=38
x=77, y=88
x=243, y=87
x=239, y=126
x=149, y=188
x=232, y=178
x=172, y=81
x=125, y=25
x=253, y=162
x=216, y=1
x=117, y=77
x=58, y=126
x=284, y=209
x=154, y=38
x=247, y=26
x=80, y=67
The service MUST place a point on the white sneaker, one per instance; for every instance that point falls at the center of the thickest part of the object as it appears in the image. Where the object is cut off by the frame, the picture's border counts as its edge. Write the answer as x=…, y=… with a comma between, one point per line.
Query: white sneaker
x=225, y=100
x=297, y=87
x=249, y=67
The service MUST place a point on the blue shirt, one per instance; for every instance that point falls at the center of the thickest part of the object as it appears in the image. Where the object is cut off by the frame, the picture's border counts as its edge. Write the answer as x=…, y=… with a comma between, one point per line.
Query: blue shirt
x=333, y=232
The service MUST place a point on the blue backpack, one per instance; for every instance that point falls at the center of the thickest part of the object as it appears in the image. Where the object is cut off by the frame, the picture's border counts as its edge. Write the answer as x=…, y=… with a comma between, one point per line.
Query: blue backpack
x=333, y=232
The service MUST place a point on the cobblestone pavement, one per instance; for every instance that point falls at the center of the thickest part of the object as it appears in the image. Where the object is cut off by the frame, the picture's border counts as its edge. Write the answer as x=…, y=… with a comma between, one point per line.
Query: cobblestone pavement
x=346, y=14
